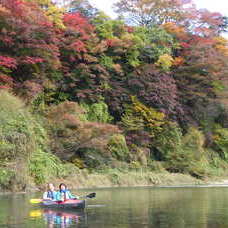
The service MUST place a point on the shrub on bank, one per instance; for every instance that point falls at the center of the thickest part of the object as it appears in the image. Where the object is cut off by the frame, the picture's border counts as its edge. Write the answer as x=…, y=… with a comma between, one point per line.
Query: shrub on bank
x=24, y=148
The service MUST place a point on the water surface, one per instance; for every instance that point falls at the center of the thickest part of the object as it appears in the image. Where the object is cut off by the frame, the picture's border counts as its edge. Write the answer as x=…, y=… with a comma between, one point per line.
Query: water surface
x=125, y=208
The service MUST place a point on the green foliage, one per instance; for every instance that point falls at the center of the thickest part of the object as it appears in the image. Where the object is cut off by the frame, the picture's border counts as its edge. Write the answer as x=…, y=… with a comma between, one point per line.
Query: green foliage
x=157, y=42
x=107, y=28
x=168, y=142
x=6, y=176
x=16, y=130
x=191, y=157
x=54, y=13
x=194, y=141
x=221, y=141
x=118, y=147
x=43, y=166
x=106, y=61
x=97, y=112
x=24, y=147
x=21, y=136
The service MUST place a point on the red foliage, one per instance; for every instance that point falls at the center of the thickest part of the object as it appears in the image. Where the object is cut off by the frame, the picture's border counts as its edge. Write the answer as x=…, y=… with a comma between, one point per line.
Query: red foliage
x=129, y=29
x=79, y=46
x=155, y=89
x=77, y=22
x=15, y=6
x=185, y=45
x=6, y=79
x=32, y=60
x=206, y=23
x=7, y=40
x=8, y=62
x=4, y=87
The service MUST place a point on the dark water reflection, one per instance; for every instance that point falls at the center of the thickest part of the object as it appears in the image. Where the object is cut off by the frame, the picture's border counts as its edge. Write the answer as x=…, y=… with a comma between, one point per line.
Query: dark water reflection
x=126, y=207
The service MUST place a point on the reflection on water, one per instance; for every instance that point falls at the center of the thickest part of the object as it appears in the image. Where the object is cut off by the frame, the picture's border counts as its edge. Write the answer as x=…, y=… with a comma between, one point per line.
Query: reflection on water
x=126, y=208
x=62, y=218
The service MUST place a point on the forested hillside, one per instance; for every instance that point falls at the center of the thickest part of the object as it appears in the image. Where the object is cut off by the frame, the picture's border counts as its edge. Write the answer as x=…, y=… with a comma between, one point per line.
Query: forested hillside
x=82, y=91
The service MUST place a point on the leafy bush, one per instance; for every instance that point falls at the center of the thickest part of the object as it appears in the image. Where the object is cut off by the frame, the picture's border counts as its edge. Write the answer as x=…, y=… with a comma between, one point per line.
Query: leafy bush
x=168, y=142
x=21, y=136
x=24, y=147
x=118, y=147
x=44, y=166
x=97, y=112
x=221, y=142
x=70, y=132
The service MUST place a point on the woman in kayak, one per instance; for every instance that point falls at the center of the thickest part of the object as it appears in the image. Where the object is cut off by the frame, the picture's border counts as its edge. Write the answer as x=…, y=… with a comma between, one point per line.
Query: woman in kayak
x=50, y=194
x=64, y=194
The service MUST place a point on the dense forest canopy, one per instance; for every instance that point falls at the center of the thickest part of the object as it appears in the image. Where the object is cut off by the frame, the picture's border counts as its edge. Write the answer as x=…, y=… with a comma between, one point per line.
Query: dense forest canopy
x=149, y=87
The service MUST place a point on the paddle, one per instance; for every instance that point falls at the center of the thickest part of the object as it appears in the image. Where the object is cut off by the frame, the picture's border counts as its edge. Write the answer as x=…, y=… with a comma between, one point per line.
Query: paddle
x=91, y=195
x=35, y=201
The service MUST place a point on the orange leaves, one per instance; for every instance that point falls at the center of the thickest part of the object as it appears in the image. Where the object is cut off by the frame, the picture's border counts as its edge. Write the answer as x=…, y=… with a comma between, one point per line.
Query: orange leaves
x=114, y=42
x=178, y=31
x=178, y=61
x=3, y=10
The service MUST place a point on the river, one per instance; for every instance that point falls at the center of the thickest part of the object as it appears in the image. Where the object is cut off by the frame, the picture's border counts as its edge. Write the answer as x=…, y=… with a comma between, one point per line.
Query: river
x=171, y=207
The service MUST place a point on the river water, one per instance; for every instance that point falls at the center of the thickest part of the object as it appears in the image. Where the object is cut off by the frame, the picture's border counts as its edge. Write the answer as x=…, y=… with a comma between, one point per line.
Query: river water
x=173, y=207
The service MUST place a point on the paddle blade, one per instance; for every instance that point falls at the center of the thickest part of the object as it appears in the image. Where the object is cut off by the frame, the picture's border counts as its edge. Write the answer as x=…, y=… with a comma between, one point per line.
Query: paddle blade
x=91, y=195
x=35, y=200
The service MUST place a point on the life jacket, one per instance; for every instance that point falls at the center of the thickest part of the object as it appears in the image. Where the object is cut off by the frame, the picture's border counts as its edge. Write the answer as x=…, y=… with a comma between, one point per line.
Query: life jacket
x=50, y=194
x=64, y=194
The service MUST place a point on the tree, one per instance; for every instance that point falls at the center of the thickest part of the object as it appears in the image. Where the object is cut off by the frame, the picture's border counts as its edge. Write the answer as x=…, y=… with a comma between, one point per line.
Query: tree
x=156, y=89
x=28, y=38
x=70, y=132
x=83, y=7
x=53, y=12
x=150, y=12
x=157, y=12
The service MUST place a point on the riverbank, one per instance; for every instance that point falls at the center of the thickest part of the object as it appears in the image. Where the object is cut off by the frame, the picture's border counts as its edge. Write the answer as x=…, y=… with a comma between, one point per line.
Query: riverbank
x=114, y=178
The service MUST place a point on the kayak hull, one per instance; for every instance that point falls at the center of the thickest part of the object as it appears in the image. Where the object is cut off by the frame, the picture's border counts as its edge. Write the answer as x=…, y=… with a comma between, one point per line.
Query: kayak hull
x=69, y=204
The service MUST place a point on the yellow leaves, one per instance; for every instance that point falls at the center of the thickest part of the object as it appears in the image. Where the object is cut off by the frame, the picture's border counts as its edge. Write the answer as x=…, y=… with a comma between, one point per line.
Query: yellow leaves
x=55, y=15
x=151, y=117
x=131, y=39
x=221, y=45
x=165, y=62
x=140, y=117
x=221, y=40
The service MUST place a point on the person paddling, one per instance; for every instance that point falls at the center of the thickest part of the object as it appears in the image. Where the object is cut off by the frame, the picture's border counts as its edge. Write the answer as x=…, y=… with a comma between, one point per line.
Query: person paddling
x=64, y=194
x=50, y=194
